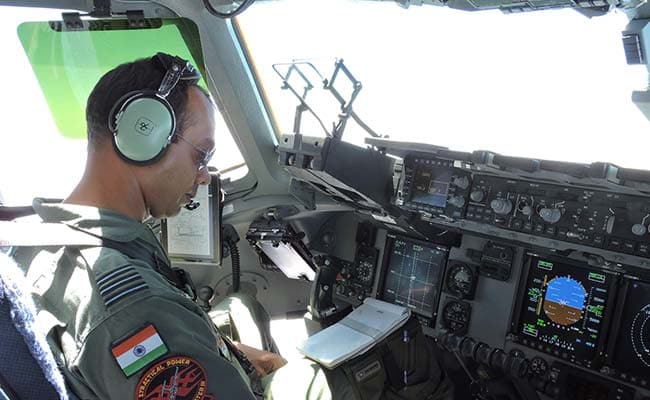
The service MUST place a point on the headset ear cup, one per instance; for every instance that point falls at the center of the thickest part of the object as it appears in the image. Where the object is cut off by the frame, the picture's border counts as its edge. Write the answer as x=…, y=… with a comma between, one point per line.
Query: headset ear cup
x=143, y=127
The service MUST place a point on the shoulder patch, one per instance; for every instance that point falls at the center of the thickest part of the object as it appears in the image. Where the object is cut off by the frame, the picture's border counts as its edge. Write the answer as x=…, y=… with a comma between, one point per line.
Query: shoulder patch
x=139, y=350
x=119, y=284
x=177, y=377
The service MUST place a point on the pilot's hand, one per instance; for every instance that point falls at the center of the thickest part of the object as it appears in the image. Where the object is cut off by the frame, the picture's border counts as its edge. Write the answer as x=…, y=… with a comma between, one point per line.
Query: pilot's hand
x=264, y=362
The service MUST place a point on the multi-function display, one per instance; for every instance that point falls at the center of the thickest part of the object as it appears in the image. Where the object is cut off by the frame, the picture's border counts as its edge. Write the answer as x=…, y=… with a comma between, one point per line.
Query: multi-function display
x=563, y=310
x=431, y=185
x=414, y=274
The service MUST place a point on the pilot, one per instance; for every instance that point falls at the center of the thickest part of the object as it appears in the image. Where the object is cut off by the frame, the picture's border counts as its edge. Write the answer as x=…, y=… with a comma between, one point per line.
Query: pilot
x=120, y=321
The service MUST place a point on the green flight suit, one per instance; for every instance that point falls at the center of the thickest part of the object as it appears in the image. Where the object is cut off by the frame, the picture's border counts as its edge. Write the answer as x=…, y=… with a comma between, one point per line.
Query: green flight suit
x=119, y=328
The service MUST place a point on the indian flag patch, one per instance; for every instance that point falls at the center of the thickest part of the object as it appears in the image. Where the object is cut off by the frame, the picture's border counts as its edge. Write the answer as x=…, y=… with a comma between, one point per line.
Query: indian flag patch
x=140, y=349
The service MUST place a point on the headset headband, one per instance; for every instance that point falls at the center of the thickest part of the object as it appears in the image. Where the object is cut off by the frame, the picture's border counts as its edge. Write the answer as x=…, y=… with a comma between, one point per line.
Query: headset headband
x=177, y=69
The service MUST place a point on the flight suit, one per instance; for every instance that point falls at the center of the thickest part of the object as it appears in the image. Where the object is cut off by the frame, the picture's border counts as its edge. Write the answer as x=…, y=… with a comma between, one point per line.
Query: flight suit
x=119, y=328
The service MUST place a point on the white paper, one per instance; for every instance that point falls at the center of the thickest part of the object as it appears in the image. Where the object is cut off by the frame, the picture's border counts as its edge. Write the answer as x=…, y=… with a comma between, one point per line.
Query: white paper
x=330, y=352
x=189, y=233
x=376, y=317
x=355, y=334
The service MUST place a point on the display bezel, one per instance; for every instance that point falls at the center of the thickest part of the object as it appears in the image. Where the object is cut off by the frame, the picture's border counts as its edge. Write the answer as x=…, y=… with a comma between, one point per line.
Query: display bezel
x=567, y=375
x=215, y=211
x=390, y=240
x=414, y=195
x=600, y=354
x=613, y=345
x=415, y=161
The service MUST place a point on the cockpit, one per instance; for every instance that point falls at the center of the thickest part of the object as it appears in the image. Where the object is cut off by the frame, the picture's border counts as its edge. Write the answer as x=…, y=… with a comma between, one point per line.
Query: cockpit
x=482, y=165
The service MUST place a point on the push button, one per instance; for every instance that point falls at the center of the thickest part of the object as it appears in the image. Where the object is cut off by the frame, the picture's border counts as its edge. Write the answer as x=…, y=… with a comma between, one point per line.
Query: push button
x=598, y=240
x=615, y=244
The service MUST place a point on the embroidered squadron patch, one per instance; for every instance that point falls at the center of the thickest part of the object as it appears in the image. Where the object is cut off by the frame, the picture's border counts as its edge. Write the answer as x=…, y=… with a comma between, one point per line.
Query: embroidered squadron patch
x=177, y=377
x=139, y=350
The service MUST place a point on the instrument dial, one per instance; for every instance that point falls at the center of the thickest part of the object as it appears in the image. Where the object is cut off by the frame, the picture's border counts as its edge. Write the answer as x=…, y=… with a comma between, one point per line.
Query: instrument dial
x=455, y=316
x=365, y=272
x=461, y=281
x=538, y=366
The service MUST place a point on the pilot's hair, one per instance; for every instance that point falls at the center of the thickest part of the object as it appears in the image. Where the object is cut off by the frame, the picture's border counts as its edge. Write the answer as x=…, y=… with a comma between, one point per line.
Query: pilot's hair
x=141, y=74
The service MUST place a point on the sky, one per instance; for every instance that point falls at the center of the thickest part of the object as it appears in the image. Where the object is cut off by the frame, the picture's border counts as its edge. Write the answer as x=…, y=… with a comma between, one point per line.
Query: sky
x=551, y=85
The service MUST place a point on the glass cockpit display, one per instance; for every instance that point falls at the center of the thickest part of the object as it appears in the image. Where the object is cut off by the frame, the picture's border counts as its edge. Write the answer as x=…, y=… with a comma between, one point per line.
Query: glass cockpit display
x=414, y=274
x=431, y=185
x=632, y=355
x=563, y=309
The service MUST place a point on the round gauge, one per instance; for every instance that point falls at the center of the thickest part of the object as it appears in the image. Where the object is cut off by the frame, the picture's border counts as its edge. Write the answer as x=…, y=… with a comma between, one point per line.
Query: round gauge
x=455, y=316
x=365, y=272
x=461, y=281
x=516, y=353
x=538, y=366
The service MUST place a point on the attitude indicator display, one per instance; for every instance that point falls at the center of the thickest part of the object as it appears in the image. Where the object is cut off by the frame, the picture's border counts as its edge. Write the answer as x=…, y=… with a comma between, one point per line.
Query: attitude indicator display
x=564, y=308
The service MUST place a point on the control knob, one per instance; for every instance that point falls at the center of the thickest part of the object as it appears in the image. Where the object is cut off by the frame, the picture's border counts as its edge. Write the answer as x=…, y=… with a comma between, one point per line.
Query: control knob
x=501, y=206
x=461, y=181
x=639, y=229
x=457, y=201
x=477, y=195
x=550, y=215
x=609, y=228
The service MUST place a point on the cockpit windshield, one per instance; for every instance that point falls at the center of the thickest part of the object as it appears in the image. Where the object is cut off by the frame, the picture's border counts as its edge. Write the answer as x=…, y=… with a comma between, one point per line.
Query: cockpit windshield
x=551, y=84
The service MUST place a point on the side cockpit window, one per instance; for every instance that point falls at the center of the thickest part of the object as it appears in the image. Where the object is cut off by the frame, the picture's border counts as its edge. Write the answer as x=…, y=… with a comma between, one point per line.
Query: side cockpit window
x=49, y=69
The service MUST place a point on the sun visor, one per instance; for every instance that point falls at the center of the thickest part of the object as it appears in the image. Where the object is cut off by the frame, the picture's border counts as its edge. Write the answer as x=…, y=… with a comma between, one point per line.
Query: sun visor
x=68, y=59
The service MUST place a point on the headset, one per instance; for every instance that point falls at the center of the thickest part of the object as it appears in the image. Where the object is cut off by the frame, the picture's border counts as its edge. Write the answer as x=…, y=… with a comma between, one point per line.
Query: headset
x=142, y=122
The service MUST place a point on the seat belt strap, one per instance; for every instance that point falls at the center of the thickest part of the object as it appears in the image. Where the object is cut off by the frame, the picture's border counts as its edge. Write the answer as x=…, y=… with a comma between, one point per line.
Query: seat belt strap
x=37, y=234
x=40, y=234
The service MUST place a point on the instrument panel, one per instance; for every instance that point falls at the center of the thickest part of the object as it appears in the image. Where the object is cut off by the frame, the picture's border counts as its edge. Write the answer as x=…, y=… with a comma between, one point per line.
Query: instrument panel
x=564, y=317
x=593, y=218
x=570, y=318
x=436, y=187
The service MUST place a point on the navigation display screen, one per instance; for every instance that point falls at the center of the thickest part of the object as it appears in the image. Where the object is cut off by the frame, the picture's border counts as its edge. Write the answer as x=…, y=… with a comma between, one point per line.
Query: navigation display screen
x=563, y=309
x=414, y=274
x=632, y=355
x=431, y=185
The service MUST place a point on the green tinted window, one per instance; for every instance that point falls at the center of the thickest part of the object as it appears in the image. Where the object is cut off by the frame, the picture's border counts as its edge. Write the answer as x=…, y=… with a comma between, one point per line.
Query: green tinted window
x=68, y=64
